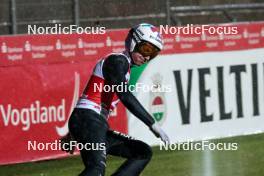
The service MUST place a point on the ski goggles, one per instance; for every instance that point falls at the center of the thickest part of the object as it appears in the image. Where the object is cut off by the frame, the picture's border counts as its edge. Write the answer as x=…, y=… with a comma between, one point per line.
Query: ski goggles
x=147, y=49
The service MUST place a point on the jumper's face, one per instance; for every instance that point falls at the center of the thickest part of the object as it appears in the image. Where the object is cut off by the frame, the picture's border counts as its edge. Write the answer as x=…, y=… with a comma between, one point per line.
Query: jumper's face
x=144, y=52
x=138, y=58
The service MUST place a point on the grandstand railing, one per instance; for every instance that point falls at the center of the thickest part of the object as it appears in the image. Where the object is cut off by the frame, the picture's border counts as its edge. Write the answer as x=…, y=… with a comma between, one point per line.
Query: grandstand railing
x=171, y=15
x=225, y=9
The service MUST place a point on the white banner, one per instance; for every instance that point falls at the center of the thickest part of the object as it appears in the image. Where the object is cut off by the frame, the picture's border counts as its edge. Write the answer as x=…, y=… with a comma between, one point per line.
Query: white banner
x=213, y=95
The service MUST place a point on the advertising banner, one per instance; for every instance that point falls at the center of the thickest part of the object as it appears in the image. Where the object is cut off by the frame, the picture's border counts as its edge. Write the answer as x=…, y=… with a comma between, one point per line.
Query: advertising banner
x=203, y=95
x=42, y=77
x=206, y=91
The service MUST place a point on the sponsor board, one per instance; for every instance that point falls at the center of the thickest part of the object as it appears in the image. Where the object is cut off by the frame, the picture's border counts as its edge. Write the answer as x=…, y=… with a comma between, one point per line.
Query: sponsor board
x=36, y=103
x=40, y=89
x=201, y=95
x=214, y=95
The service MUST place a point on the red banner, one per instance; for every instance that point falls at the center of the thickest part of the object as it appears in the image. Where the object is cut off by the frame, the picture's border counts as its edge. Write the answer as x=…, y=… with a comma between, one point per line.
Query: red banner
x=43, y=75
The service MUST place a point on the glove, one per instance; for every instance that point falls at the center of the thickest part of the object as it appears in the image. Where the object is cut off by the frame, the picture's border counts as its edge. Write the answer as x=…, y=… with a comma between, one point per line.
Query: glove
x=67, y=140
x=155, y=128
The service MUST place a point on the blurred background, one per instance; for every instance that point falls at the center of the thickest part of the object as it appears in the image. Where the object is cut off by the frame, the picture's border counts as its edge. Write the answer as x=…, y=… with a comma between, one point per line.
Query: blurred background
x=17, y=14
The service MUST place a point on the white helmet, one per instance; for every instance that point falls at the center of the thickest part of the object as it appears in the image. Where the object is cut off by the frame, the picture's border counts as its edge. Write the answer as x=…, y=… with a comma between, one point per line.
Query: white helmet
x=143, y=32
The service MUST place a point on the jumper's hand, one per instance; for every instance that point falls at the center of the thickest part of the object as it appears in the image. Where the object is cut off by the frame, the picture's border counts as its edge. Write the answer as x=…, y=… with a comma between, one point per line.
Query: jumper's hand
x=155, y=128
